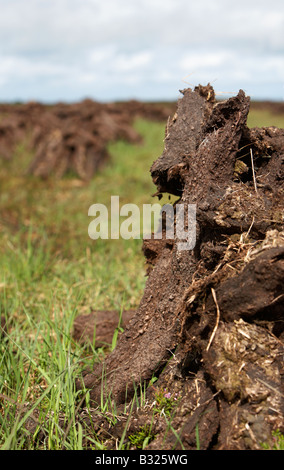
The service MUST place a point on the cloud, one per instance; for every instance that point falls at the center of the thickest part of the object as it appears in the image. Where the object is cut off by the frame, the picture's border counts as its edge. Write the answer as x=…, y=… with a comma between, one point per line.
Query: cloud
x=205, y=61
x=117, y=49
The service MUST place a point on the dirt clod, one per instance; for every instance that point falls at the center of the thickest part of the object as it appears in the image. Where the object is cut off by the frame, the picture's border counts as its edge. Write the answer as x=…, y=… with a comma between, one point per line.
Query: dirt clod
x=210, y=324
x=98, y=327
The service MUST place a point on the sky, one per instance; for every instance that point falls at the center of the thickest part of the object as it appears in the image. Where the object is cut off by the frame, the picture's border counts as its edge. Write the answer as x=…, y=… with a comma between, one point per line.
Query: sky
x=108, y=50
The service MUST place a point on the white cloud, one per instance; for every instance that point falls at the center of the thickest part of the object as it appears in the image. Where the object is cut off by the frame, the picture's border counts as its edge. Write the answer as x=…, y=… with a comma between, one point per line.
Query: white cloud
x=67, y=49
x=132, y=62
x=203, y=61
x=25, y=68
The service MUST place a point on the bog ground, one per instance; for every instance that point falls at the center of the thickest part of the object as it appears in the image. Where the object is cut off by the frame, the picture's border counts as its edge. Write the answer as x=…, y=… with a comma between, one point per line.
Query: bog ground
x=53, y=275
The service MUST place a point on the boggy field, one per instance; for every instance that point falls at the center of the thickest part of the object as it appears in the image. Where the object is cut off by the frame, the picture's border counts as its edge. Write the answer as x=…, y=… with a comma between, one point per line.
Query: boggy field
x=120, y=344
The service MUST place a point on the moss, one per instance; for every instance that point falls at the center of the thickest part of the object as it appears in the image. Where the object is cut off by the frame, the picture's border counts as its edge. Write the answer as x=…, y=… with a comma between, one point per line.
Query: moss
x=240, y=168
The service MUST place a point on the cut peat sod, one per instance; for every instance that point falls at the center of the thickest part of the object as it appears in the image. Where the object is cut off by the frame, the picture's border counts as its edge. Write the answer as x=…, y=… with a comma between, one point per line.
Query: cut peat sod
x=71, y=137
x=210, y=325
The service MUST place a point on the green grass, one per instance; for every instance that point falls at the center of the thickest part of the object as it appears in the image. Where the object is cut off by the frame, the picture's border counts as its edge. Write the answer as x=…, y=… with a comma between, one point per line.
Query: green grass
x=277, y=442
x=51, y=271
x=265, y=118
x=45, y=248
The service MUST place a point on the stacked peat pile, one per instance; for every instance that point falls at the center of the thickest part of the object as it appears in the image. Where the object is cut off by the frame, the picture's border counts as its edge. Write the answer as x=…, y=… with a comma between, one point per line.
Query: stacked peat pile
x=210, y=324
x=15, y=124
x=75, y=137
x=153, y=111
x=72, y=137
x=275, y=107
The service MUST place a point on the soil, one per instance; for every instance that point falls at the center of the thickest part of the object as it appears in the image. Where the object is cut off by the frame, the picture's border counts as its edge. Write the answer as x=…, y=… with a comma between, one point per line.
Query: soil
x=274, y=107
x=209, y=329
x=204, y=350
x=72, y=137
x=98, y=327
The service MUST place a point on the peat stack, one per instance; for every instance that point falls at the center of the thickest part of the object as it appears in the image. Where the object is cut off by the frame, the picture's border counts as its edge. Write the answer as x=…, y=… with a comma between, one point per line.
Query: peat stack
x=72, y=137
x=15, y=124
x=75, y=138
x=210, y=324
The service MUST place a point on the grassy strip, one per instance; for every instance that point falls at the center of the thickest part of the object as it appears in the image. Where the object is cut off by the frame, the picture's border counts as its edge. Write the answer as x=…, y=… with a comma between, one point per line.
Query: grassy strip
x=50, y=272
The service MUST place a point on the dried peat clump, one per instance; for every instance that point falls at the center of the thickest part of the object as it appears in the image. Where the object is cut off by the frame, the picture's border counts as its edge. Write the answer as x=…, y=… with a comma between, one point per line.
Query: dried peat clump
x=99, y=326
x=210, y=324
